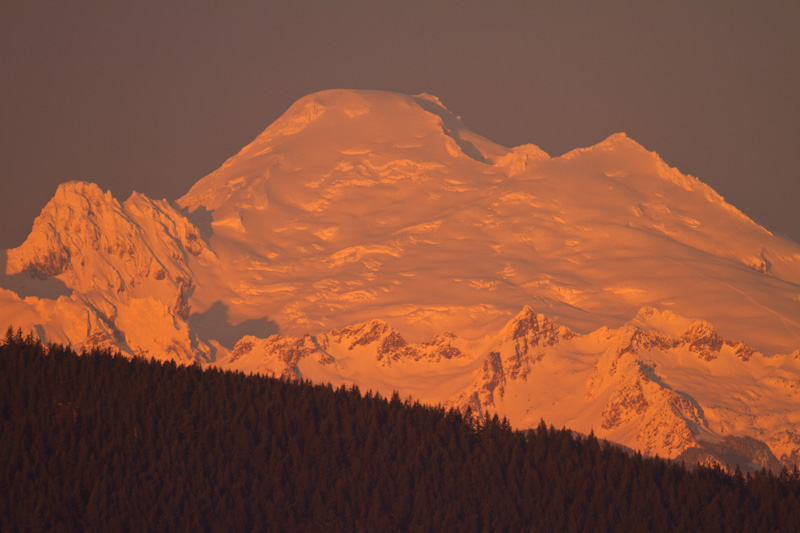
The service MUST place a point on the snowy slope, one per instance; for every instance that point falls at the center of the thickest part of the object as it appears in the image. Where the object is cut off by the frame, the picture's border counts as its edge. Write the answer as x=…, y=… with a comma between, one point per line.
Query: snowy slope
x=360, y=205
x=678, y=318
x=665, y=394
x=118, y=274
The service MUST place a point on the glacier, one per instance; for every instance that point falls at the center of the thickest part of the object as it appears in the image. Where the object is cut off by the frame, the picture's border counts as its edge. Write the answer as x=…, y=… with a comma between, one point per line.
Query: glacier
x=653, y=312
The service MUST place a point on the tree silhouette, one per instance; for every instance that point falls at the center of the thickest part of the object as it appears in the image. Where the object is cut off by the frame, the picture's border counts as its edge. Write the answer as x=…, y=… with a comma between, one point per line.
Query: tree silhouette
x=100, y=442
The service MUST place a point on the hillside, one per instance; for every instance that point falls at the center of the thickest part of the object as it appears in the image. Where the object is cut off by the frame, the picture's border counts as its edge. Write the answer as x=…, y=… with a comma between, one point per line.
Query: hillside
x=101, y=442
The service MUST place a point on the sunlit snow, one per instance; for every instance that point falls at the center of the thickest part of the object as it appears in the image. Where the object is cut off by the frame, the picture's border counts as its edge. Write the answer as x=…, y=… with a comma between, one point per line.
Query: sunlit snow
x=356, y=206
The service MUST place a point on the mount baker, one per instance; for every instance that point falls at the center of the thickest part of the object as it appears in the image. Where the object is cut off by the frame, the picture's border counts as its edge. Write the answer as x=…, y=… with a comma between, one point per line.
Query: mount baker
x=368, y=238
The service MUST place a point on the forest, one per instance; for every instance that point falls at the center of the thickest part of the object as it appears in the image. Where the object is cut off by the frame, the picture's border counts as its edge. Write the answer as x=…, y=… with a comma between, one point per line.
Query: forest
x=101, y=442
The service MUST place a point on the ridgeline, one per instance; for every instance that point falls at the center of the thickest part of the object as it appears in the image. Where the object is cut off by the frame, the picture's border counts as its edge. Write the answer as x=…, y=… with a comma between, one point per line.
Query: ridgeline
x=101, y=442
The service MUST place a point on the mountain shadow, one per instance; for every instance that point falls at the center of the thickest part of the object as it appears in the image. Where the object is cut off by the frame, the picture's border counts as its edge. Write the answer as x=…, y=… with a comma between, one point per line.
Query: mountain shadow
x=214, y=324
x=451, y=126
x=31, y=283
x=201, y=218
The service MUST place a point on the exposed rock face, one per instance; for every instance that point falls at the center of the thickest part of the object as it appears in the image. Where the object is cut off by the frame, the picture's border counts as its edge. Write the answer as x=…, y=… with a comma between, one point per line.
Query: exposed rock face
x=487, y=387
x=127, y=264
x=533, y=329
x=441, y=347
x=374, y=208
x=389, y=344
x=633, y=380
x=363, y=334
x=703, y=340
x=627, y=402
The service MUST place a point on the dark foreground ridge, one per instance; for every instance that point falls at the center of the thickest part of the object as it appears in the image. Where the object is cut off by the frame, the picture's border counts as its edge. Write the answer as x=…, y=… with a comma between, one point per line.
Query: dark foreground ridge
x=103, y=443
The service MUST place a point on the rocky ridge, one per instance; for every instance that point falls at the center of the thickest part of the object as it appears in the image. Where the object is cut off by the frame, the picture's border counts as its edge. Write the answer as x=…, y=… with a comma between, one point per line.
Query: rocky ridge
x=623, y=382
x=125, y=266
x=373, y=208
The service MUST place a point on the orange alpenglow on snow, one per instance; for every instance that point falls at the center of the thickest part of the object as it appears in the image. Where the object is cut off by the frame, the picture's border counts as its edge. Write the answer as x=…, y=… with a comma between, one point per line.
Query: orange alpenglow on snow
x=362, y=224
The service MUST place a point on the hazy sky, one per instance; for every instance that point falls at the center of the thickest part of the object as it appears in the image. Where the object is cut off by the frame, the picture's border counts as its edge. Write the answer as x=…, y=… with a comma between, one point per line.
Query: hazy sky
x=153, y=96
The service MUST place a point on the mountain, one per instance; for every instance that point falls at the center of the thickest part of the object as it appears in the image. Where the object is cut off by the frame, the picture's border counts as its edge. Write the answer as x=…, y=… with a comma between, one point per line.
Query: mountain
x=691, y=393
x=97, y=273
x=355, y=232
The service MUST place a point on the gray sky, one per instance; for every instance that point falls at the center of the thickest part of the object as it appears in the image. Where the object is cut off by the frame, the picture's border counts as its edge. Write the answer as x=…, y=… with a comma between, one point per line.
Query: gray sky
x=152, y=96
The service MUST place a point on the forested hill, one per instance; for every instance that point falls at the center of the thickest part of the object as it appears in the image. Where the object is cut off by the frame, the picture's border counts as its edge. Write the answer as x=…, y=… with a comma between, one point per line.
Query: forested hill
x=103, y=443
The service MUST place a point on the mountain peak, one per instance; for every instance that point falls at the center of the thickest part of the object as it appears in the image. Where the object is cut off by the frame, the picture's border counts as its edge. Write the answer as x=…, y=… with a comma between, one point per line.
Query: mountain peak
x=619, y=140
x=73, y=220
x=618, y=145
x=521, y=158
x=363, y=334
x=85, y=189
x=535, y=326
x=332, y=142
x=80, y=198
x=313, y=106
x=344, y=104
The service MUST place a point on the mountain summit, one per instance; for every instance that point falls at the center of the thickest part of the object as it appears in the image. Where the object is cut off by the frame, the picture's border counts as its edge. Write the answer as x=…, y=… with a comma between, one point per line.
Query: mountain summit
x=356, y=205
x=381, y=209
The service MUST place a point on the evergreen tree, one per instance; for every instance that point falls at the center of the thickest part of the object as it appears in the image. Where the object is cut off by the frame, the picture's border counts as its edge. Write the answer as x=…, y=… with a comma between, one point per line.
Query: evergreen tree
x=100, y=442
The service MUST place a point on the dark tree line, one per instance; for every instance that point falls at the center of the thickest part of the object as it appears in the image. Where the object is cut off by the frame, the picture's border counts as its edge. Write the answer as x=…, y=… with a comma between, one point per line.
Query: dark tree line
x=104, y=443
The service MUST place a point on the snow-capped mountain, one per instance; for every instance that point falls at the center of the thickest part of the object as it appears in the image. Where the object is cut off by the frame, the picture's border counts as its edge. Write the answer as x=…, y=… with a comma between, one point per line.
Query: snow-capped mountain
x=122, y=274
x=381, y=210
x=690, y=393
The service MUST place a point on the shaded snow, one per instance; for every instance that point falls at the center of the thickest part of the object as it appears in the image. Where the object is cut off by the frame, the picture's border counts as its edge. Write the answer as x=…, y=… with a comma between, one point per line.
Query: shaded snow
x=356, y=206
